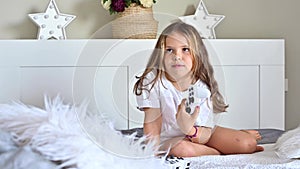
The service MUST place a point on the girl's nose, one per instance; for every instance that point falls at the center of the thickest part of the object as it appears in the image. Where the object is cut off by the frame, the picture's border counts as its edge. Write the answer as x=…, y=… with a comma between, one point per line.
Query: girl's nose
x=177, y=58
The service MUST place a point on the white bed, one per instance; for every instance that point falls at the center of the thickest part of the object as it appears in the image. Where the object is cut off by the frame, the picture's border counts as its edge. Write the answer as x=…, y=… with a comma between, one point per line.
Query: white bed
x=267, y=159
x=250, y=73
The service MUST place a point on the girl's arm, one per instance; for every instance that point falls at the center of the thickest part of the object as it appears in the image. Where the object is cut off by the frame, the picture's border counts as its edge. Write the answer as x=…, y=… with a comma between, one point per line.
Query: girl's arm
x=152, y=124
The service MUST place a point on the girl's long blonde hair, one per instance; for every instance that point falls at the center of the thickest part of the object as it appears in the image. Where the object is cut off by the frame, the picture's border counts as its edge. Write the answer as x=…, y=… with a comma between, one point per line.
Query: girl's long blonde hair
x=202, y=69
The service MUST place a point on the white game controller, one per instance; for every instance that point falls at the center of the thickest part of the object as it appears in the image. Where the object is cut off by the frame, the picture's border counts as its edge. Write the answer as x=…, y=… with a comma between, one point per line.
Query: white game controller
x=195, y=96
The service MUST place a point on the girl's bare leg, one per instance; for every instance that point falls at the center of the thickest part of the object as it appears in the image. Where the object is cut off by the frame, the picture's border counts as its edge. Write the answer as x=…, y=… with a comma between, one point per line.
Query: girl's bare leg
x=230, y=141
x=185, y=148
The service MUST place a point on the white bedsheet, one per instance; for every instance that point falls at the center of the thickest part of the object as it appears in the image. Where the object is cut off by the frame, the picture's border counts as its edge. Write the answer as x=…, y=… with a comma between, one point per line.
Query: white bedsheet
x=262, y=160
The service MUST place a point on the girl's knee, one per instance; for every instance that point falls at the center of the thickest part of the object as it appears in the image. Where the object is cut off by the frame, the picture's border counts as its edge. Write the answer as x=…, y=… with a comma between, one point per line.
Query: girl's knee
x=182, y=149
x=189, y=149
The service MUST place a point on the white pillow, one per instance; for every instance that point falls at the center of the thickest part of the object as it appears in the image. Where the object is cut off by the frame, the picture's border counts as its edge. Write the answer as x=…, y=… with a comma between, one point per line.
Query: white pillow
x=288, y=145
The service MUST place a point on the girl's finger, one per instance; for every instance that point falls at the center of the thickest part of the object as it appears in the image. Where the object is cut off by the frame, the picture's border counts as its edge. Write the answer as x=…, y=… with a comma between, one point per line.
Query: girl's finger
x=181, y=105
x=196, y=112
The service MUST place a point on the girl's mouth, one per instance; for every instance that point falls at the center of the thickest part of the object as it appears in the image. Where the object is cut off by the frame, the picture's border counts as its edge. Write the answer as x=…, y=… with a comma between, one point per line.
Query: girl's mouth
x=177, y=65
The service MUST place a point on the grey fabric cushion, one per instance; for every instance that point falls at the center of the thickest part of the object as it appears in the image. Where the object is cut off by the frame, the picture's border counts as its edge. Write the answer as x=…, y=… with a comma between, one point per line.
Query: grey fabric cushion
x=269, y=135
x=138, y=131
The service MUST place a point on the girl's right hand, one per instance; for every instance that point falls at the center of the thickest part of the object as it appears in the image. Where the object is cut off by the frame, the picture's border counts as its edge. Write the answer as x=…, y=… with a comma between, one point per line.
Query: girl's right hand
x=185, y=120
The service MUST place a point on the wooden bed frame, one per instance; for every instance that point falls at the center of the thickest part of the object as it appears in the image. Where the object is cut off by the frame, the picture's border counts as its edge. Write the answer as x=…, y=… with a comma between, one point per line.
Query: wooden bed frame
x=250, y=74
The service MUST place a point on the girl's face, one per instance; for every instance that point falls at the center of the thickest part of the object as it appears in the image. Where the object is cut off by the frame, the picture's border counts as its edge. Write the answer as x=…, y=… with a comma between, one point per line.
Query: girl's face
x=178, y=60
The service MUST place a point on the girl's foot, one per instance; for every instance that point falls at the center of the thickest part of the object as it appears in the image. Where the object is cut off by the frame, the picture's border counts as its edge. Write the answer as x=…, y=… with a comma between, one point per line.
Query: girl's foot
x=257, y=136
x=254, y=133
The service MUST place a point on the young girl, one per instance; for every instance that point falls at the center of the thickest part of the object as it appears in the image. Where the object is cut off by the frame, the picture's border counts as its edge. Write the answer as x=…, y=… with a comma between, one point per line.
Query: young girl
x=180, y=60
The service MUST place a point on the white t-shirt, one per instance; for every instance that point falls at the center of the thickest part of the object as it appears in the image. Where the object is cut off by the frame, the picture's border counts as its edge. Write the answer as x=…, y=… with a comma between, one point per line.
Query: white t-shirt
x=165, y=96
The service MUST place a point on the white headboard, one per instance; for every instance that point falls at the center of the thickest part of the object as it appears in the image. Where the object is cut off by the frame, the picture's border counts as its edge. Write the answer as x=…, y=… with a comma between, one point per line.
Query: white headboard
x=250, y=74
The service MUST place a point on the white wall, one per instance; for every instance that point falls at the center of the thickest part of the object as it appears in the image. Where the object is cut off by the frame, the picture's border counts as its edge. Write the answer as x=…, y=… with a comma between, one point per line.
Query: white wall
x=244, y=19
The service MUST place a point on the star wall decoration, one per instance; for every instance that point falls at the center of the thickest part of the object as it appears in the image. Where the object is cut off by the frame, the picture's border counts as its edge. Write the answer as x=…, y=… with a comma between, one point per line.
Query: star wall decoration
x=204, y=22
x=51, y=23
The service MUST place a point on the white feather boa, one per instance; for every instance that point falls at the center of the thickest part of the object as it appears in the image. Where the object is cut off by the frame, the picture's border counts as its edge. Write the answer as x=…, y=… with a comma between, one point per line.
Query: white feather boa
x=74, y=138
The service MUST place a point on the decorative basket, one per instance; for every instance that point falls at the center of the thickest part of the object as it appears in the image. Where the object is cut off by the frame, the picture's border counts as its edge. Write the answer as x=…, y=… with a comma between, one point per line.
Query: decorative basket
x=136, y=22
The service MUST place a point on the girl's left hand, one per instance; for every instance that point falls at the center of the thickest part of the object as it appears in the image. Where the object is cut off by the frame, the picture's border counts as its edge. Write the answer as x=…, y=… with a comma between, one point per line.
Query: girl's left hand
x=185, y=120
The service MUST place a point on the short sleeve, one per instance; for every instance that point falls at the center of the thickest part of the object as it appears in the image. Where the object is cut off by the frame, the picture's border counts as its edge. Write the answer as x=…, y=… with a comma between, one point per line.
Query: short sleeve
x=149, y=98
